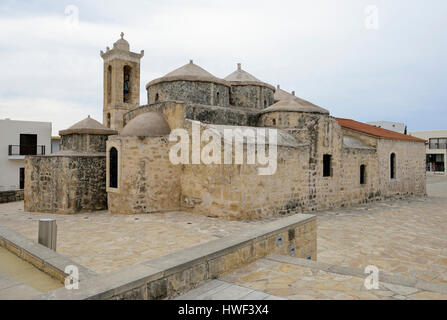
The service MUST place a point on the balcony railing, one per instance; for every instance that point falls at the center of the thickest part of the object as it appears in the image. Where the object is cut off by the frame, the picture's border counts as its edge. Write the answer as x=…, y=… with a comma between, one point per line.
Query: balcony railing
x=26, y=150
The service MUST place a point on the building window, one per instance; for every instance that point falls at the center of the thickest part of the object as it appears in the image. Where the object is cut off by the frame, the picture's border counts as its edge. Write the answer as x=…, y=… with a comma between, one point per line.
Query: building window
x=109, y=85
x=362, y=174
x=108, y=120
x=113, y=168
x=435, y=163
x=126, y=84
x=327, y=158
x=157, y=97
x=265, y=103
x=218, y=98
x=438, y=143
x=393, y=166
x=274, y=122
x=22, y=179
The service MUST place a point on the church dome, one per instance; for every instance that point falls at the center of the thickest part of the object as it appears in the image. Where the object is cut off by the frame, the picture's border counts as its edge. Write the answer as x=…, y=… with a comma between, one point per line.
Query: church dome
x=189, y=72
x=295, y=104
x=151, y=124
x=122, y=44
x=88, y=126
x=241, y=77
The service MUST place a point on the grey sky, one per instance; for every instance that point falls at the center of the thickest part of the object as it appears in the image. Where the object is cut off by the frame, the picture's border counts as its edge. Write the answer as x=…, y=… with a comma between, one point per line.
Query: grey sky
x=320, y=48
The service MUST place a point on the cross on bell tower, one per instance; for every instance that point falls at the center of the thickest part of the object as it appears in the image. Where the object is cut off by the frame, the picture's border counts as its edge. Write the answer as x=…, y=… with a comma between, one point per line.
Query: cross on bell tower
x=121, y=82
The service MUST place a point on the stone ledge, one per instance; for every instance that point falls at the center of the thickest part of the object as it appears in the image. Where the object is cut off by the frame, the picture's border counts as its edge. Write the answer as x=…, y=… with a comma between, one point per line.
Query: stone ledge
x=44, y=259
x=177, y=273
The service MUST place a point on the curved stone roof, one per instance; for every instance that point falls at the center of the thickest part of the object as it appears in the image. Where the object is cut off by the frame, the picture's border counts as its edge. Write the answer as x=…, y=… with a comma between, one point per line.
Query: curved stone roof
x=295, y=104
x=189, y=72
x=241, y=77
x=122, y=44
x=88, y=126
x=151, y=124
x=281, y=94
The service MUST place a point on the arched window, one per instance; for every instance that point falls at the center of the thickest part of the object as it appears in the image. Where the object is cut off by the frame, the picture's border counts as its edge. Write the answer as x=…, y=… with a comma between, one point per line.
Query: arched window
x=157, y=97
x=109, y=85
x=113, y=168
x=265, y=103
x=393, y=166
x=362, y=174
x=218, y=98
x=126, y=84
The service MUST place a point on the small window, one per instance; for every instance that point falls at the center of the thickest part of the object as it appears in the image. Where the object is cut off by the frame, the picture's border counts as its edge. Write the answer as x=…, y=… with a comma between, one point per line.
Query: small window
x=22, y=179
x=327, y=158
x=157, y=97
x=108, y=120
x=274, y=122
x=126, y=84
x=265, y=103
x=218, y=98
x=393, y=166
x=362, y=174
x=113, y=168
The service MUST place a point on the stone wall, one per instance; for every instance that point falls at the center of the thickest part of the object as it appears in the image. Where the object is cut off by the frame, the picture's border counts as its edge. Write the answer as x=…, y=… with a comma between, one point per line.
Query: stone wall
x=250, y=96
x=205, y=93
x=11, y=196
x=410, y=164
x=84, y=142
x=237, y=191
x=65, y=184
x=147, y=181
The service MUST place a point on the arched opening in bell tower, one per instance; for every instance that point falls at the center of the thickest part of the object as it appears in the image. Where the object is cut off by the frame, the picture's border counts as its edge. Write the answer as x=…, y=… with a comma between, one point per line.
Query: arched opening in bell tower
x=126, y=84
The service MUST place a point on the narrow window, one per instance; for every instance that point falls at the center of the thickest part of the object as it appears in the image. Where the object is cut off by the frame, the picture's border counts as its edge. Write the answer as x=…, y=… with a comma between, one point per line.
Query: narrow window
x=113, y=168
x=274, y=122
x=156, y=98
x=362, y=174
x=218, y=98
x=265, y=103
x=126, y=84
x=108, y=120
x=393, y=166
x=109, y=85
x=22, y=179
x=327, y=165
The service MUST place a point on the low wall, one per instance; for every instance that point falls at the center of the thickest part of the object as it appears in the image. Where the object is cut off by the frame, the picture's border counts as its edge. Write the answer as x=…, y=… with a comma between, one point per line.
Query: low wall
x=177, y=273
x=11, y=196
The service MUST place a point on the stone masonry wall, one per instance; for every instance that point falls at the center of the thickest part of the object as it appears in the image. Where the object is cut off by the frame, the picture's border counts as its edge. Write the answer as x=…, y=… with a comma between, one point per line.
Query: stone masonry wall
x=190, y=92
x=147, y=181
x=250, y=96
x=11, y=196
x=65, y=184
x=84, y=142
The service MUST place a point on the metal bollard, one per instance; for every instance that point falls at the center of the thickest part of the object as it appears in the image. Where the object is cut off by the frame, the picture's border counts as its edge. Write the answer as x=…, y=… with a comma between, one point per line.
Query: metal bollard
x=48, y=233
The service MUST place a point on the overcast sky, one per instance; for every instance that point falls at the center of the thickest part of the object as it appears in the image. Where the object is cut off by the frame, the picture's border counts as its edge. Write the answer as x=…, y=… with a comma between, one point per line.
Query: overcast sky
x=333, y=53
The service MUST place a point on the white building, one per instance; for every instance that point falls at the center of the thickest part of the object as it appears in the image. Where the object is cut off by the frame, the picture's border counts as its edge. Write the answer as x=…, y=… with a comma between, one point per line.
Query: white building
x=18, y=139
x=436, y=149
x=388, y=125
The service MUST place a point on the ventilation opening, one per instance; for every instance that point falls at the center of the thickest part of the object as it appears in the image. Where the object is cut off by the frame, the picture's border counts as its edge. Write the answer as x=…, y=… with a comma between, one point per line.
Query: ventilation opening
x=393, y=166
x=362, y=174
x=327, y=165
x=113, y=168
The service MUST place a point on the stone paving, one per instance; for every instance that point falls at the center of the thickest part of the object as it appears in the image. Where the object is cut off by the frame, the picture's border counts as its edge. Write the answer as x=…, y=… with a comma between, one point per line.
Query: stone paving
x=106, y=243
x=406, y=238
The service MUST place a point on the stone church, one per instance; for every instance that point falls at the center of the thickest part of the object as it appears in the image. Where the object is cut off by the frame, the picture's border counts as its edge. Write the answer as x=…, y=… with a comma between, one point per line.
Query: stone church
x=123, y=164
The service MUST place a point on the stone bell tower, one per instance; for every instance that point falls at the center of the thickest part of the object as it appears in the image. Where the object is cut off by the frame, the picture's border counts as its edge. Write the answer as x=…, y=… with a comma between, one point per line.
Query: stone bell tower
x=121, y=82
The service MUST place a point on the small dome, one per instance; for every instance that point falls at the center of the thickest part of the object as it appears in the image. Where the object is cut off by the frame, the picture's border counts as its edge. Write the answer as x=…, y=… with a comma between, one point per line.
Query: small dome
x=122, y=44
x=189, y=72
x=151, y=124
x=88, y=126
x=295, y=105
x=242, y=77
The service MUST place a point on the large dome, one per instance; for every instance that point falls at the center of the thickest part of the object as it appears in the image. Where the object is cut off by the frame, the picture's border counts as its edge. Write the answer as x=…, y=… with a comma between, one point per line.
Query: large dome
x=189, y=72
x=151, y=124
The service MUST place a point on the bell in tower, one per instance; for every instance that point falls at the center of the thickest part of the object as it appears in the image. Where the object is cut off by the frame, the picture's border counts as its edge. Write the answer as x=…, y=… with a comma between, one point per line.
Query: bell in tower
x=121, y=82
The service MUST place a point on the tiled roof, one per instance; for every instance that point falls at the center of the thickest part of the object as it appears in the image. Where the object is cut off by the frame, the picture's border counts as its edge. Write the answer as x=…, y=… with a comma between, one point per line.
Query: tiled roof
x=375, y=131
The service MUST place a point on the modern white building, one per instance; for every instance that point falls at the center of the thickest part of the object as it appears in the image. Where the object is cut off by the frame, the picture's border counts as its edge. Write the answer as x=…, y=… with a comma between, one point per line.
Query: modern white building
x=55, y=144
x=436, y=149
x=388, y=125
x=18, y=139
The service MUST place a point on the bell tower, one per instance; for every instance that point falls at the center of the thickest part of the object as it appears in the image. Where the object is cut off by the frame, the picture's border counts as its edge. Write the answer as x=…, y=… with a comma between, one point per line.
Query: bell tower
x=121, y=82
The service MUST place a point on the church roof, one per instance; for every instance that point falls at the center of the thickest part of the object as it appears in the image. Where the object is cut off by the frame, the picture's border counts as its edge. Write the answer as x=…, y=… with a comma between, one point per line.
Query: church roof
x=281, y=94
x=88, y=126
x=242, y=77
x=295, y=104
x=189, y=72
x=150, y=124
x=375, y=131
